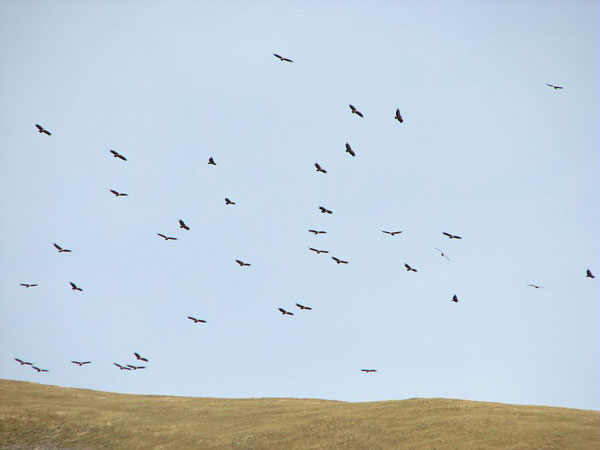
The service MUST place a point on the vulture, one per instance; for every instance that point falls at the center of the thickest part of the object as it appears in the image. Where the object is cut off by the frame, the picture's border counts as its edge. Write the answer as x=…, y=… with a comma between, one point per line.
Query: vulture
x=118, y=194
x=536, y=286
x=39, y=370
x=338, y=260
x=196, y=320
x=355, y=111
x=28, y=285
x=183, y=225
x=409, y=269
x=60, y=249
x=589, y=274
x=135, y=367
x=451, y=236
x=319, y=168
x=81, y=363
x=349, y=150
x=317, y=251
x=23, y=363
x=74, y=286
x=325, y=210
x=308, y=308
x=140, y=357
x=211, y=161
x=315, y=232
x=398, y=116
x=229, y=202
x=551, y=85
x=391, y=233
x=442, y=254
x=281, y=58
x=242, y=263
x=455, y=299
x=167, y=238
x=284, y=312
x=41, y=129
x=121, y=367
x=368, y=370
x=118, y=155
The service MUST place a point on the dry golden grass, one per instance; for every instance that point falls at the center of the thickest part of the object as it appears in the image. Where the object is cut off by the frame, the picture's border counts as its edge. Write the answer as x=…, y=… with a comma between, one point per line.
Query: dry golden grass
x=49, y=417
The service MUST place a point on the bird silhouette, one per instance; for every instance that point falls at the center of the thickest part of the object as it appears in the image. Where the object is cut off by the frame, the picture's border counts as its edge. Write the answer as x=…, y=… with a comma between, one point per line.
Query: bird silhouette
x=39, y=370
x=308, y=308
x=183, y=225
x=398, y=116
x=409, y=269
x=121, y=367
x=167, y=238
x=196, y=320
x=135, y=367
x=81, y=363
x=140, y=357
x=589, y=274
x=242, y=263
x=74, y=286
x=229, y=202
x=118, y=155
x=451, y=236
x=391, y=233
x=317, y=251
x=282, y=58
x=28, y=285
x=554, y=87
x=211, y=161
x=61, y=250
x=319, y=168
x=41, y=129
x=315, y=232
x=355, y=111
x=368, y=370
x=118, y=194
x=338, y=260
x=284, y=312
x=325, y=210
x=349, y=150
x=536, y=286
x=23, y=363
x=455, y=299
x=442, y=254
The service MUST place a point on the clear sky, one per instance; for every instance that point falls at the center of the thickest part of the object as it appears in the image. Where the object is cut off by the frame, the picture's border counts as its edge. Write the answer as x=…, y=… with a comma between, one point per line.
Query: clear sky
x=487, y=151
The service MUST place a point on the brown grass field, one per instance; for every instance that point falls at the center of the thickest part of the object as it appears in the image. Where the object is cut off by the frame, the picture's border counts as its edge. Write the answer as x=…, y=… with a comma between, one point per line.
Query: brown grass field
x=35, y=416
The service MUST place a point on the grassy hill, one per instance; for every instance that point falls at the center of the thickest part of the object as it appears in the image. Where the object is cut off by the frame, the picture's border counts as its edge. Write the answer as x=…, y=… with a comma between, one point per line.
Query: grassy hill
x=49, y=417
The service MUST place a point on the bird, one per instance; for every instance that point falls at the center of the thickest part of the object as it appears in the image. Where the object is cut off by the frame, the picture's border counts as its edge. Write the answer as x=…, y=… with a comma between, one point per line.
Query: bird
x=39, y=370
x=183, y=225
x=60, y=249
x=118, y=155
x=135, y=367
x=242, y=263
x=28, y=285
x=338, y=260
x=140, y=357
x=315, y=232
x=355, y=111
x=451, y=236
x=121, y=367
x=23, y=363
x=74, y=286
x=118, y=194
x=589, y=274
x=349, y=150
x=308, y=308
x=196, y=320
x=398, y=116
x=81, y=363
x=536, y=286
x=211, y=161
x=409, y=269
x=455, y=299
x=41, y=129
x=368, y=370
x=317, y=251
x=325, y=210
x=167, y=238
x=391, y=233
x=282, y=58
x=554, y=87
x=229, y=202
x=319, y=168
x=442, y=254
x=284, y=312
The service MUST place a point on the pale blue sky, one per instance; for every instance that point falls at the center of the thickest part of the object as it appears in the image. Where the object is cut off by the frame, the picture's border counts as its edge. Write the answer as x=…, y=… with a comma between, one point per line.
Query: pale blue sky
x=487, y=151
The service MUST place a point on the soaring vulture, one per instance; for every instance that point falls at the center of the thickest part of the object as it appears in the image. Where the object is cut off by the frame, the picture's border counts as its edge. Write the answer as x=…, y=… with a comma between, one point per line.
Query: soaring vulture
x=325, y=210
x=398, y=116
x=589, y=274
x=536, y=286
x=242, y=263
x=315, y=232
x=167, y=238
x=196, y=320
x=211, y=161
x=319, y=168
x=140, y=357
x=391, y=233
x=183, y=225
x=308, y=308
x=118, y=194
x=229, y=202
x=281, y=58
x=317, y=251
x=451, y=236
x=81, y=363
x=28, y=285
x=284, y=312
x=74, y=286
x=455, y=299
x=338, y=260
x=60, y=249
x=442, y=254
x=118, y=155
x=349, y=150
x=355, y=111
x=368, y=370
x=23, y=363
x=554, y=87
x=41, y=129
x=409, y=269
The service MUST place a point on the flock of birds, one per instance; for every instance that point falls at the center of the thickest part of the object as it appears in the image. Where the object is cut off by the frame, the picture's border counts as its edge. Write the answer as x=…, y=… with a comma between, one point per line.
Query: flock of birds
x=182, y=225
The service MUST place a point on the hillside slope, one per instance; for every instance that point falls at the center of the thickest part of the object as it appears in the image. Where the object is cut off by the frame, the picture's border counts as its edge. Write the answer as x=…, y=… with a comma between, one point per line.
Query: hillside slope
x=49, y=417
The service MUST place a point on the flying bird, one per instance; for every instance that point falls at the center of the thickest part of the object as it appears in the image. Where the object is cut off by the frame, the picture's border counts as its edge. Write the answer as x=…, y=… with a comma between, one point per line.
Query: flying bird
x=118, y=155
x=355, y=111
x=140, y=357
x=281, y=58
x=183, y=225
x=319, y=168
x=317, y=251
x=118, y=194
x=451, y=236
x=536, y=286
x=398, y=116
x=242, y=263
x=74, y=286
x=554, y=87
x=81, y=363
x=308, y=308
x=135, y=367
x=229, y=202
x=409, y=269
x=589, y=274
x=196, y=320
x=315, y=232
x=284, y=312
x=121, y=367
x=28, y=285
x=442, y=254
x=60, y=249
x=338, y=260
x=368, y=370
x=23, y=363
x=455, y=299
x=211, y=161
x=41, y=129
x=325, y=210
x=167, y=238
x=391, y=233
x=349, y=150
x=39, y=370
